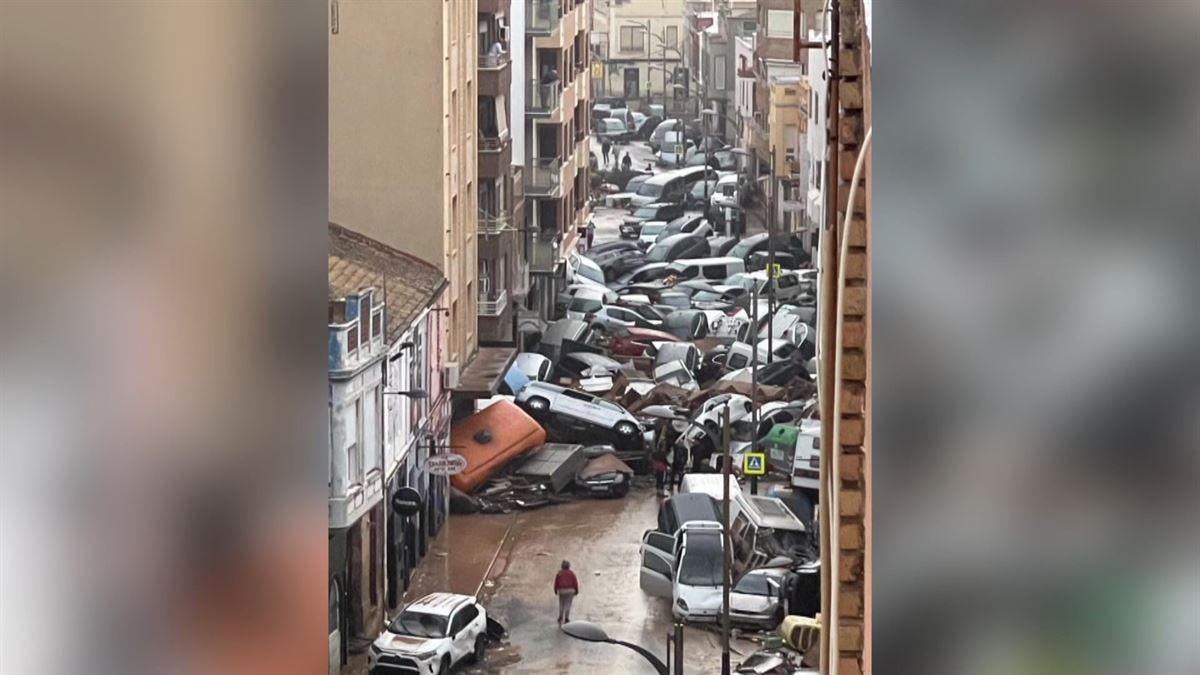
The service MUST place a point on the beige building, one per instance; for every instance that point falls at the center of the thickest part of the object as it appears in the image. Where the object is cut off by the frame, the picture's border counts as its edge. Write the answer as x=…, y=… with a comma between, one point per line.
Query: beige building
x=640, y=44
x=403, y=139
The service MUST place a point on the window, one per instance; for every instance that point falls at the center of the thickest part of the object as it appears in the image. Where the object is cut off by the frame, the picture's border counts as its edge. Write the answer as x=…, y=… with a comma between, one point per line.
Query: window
x=714, y=272
x=656, y=564
x=577, y=395
x=779, y=23
x=789, y=280
x=661, y=541
x=719, y=67
x=633, y=38
x=672, y=36
x=738, y=361
x=463, y=619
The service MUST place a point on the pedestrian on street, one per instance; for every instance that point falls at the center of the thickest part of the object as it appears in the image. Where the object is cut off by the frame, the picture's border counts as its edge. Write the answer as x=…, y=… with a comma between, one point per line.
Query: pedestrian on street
x=591, y=232
x=605, y=149
x=678, y=466
x=627, y=162
x=661, y=467
x=566, y=587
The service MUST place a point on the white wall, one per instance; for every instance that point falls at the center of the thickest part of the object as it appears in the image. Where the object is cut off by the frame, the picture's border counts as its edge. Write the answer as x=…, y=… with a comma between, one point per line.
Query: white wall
x=815, y=151
x=355, y=429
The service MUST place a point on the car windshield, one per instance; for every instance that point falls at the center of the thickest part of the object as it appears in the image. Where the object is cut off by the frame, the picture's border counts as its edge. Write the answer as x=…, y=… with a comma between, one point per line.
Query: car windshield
x=589, y=272
x=754, y=584
x=743, y=247
x=649, y=189
x=646, y=212
x=654, y=228
x=419, y=624
x=584, y=304
x=702, y=560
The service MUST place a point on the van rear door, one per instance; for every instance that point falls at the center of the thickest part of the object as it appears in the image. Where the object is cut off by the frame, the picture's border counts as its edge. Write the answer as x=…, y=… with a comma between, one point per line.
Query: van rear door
x=658, y=564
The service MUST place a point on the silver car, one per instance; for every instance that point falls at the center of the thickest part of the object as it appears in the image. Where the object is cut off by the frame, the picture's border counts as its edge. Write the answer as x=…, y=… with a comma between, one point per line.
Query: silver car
x=757, y=599
x=544, y=400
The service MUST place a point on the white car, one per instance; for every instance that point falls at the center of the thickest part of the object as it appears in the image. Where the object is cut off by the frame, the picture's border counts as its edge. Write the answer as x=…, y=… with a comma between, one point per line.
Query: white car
x=431, y=636
x=545, y=401
x=757, y=598
x=610, y=316
x=686, y=568
x=649, y=234
x=535, y=366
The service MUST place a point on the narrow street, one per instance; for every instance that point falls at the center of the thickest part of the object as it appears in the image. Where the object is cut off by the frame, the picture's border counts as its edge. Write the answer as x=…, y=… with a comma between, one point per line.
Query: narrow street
x=600, y=538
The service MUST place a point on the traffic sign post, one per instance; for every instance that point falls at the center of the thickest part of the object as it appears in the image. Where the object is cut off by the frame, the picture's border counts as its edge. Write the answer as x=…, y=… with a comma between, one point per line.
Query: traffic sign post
x=754, y=464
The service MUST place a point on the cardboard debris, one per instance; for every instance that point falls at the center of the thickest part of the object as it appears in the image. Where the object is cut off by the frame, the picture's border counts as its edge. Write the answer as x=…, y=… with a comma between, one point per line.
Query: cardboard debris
x=606, y=463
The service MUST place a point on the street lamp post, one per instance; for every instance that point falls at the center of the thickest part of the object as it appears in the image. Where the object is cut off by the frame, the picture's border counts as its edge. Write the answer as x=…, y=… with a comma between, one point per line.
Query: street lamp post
x=590, y=632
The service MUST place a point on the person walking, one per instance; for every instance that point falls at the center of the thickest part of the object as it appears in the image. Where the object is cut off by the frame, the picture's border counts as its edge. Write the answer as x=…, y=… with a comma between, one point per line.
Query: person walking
x=606, y=149
x=591, y=232
x=661, y=467
x=678, y=466
x=566, y=587
x=627, y=162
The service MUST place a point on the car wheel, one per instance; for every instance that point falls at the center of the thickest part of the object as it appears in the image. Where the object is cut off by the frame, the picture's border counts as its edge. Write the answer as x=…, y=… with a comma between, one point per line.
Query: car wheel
x=538, y=403
x=445, y=667
x=477, y=653
x=626, y=428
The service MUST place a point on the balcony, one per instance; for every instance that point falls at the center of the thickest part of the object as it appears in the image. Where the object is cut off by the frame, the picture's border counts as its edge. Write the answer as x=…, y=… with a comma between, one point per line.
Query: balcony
x=493, y=304
x=493, y=225
x=544, y=252
x=543, y=99
x=495, y=155
x=495, y=75
x=544, y=178
x=542, y=17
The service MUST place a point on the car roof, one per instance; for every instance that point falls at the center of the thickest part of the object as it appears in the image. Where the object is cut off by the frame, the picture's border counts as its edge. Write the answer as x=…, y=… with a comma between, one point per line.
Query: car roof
x=672, y=239
x=723, y=260
x=694, y=506
x=441, y=604
x=591, y=292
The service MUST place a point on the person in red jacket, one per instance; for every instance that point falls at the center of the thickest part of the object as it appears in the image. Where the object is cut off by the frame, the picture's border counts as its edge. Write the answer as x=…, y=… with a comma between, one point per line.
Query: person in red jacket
x=566, y=587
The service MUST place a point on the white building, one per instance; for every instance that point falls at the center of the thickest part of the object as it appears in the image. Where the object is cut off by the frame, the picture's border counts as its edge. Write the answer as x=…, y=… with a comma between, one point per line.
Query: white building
x=815, y=157
x=388, y=411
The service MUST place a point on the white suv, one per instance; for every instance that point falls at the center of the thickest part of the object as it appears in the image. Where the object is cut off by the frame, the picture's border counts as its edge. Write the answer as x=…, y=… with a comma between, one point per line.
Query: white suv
x=430, y=636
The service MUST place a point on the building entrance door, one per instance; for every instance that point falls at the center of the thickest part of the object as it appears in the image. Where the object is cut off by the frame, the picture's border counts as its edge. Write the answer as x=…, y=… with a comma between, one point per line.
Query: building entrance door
x=632, y=90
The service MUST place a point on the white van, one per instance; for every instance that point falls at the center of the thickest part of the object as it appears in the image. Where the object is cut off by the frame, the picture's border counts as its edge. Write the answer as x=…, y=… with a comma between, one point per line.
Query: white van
x=710, y=484
x=806, y=460
x=765, y=529
x=687, y=568
x=710, y=269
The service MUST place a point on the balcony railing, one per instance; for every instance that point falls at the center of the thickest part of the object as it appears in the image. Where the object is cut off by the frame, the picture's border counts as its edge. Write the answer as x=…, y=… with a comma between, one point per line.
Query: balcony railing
x=544, y=176
x=493, y=143
x=494, y=224
x=543, y=253
x=543, y=98
x=542, y=17
x=490, y=62
x=493, y=306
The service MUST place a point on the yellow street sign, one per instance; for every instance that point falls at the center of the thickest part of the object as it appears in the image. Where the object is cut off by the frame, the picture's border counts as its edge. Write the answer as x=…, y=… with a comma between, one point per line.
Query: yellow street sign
x=754, y=464
x=597, y=69
x=776, y=271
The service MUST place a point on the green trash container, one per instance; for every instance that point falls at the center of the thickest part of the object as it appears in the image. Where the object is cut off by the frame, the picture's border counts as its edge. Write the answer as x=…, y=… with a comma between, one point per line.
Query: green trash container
x=780, y=446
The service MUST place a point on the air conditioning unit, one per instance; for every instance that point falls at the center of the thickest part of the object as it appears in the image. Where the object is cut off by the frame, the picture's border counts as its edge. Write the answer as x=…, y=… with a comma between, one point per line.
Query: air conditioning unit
x=450, y=376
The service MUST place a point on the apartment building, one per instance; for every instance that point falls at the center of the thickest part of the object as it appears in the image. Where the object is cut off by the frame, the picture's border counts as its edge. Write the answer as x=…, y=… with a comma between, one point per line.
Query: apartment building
x=503, y=266
x=405, y=146
x=641, y=45
x=774, y=45
x=557, y=107
x=711, y=54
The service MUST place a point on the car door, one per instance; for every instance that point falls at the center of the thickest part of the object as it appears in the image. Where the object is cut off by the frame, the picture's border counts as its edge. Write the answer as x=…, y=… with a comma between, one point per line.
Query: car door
x=461, y=641
x=658, y=564
x=575, y=404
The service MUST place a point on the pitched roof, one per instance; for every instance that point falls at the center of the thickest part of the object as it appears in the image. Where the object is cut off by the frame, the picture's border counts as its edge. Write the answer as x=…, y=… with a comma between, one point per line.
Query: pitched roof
x=405, y=282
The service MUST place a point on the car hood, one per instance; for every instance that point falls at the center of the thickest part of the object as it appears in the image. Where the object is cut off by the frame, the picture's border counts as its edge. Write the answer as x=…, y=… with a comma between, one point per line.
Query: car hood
x=700, y=598
x=408, y=644
x=750, y=604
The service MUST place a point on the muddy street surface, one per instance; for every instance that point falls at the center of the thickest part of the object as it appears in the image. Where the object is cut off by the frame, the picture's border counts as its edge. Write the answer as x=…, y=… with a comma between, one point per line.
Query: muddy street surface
x=513, y=558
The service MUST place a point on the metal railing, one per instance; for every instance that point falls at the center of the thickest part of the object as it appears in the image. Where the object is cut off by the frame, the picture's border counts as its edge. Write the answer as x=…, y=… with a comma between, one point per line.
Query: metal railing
x=493, y=62
x=544, y=176
x=494, y=224
x=493, y=306
x=543, y=98
x=493, y=143
x=544, y=251
x=542, y=17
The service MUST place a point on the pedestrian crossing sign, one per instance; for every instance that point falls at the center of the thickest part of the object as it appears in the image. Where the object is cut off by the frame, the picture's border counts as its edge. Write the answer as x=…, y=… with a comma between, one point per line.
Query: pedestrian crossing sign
x=754, y=464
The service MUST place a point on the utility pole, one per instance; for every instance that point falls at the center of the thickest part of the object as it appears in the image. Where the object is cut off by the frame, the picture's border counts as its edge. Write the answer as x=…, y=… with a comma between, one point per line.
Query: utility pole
x=771, y=258
x=704, y=140
x=754, y=383
x=726, y=545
